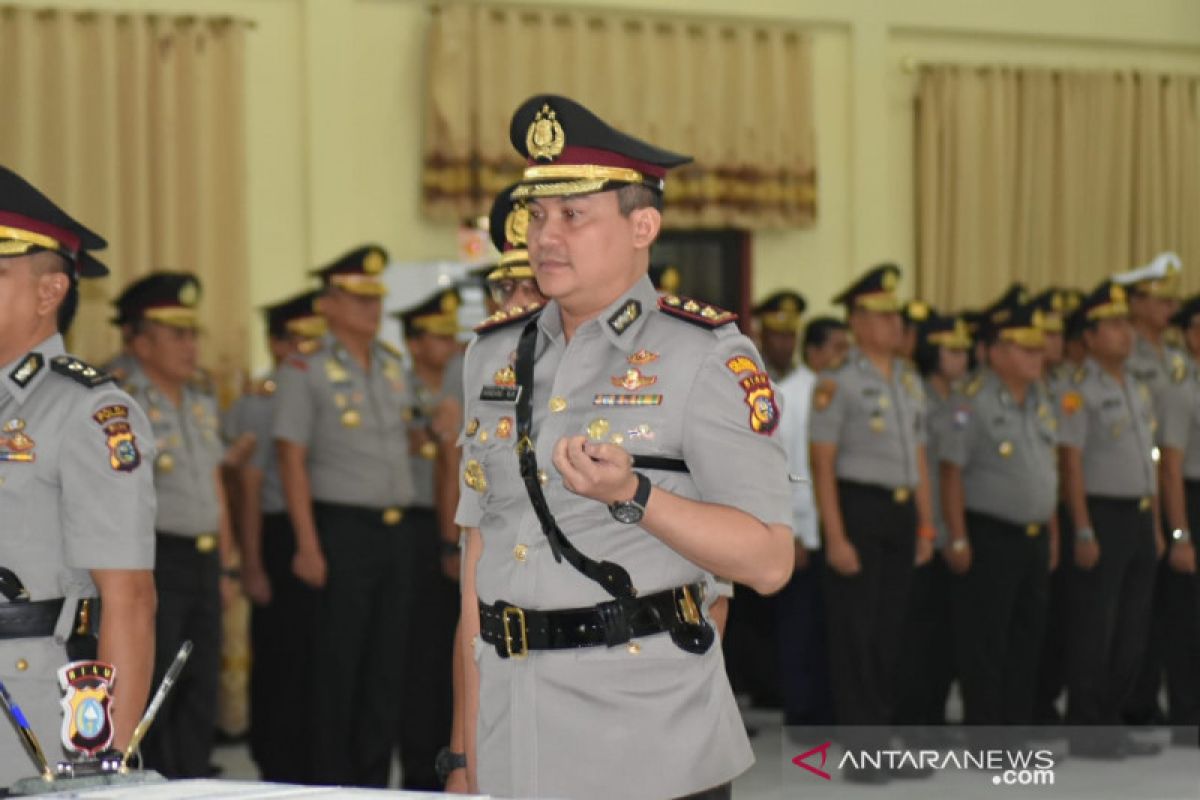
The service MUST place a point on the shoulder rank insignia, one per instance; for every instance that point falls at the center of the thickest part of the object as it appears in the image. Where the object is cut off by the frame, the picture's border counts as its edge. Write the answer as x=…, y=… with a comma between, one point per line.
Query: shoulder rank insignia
x=391, y=349
x=973, y=386
x=704, y=315
x=502, y=318
x=625, y=316
x=27, y=369
x=1178, y=368
x=823, y=394
x=79, y=372
x=1078, y=375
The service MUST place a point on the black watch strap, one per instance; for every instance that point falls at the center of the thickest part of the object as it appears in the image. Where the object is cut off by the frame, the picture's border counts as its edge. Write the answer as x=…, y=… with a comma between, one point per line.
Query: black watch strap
x=447, y=761
x=642, y=495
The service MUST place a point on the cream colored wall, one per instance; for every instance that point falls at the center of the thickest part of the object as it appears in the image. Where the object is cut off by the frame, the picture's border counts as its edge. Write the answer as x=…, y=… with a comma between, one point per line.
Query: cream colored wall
x=334, y=91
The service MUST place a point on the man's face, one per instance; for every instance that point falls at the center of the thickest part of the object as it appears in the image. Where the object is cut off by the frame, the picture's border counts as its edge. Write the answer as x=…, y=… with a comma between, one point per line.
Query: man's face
x=509, y=293
x=1111, y=340
x=778, y=348
x=432, y=350
x=167, y=351
x=1014, y=362
x=356, y=314
x=1154, y=312
x=877, y=331
x=832, y=352
x=583, y=250
x=29, y=292
x=952, y=362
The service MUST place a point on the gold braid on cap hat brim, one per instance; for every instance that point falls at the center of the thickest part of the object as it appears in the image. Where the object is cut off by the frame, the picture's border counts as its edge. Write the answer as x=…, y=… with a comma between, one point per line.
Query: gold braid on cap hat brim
x=357, y=283
x=1023, y=337
x=173, y=316
x=882, y=302
x=307, y=327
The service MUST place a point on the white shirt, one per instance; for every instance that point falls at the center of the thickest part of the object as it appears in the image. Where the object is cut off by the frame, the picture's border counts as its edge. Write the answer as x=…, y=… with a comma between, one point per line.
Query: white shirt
x=796, y=390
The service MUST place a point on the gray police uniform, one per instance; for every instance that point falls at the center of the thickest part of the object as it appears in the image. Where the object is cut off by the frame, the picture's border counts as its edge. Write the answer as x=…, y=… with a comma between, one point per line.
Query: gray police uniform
x=186, y=572
x=77, y=495
x=1180, y=430
x=1006, y=453
x=643, y=719
x=352, y=423
x=1156, y=368
x=878, y=426
x=1112, y=422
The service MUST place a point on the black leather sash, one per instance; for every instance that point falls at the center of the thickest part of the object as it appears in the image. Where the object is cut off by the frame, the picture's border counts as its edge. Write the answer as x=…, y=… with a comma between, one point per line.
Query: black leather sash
x=515, y=631
x=613, y=578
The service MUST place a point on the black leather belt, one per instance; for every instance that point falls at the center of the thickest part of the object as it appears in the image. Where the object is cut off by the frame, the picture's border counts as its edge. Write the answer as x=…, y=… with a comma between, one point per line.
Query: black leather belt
x=29, y=620
x=515, y=631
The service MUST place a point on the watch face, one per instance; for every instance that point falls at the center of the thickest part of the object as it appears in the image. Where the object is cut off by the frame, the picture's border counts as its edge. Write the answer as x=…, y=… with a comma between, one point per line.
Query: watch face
x=627, y=513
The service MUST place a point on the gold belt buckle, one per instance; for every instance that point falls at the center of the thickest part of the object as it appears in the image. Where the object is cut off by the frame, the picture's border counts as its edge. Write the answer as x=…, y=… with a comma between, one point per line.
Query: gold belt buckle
x=392, y=516
x=1033, y=529
x=688, y=610
x=506, y=615
x=206, y=543
x=900, y=495
x=1144, y=504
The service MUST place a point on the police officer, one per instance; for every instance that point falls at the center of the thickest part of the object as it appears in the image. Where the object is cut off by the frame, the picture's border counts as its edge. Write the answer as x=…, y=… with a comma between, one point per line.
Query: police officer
x=596, y=673
x=1179, y=435
x=927, y=663
x=867, y=433
x=75, y=485
x=778, y=318
x=1153, y=292
x=195, y=552
x=825, y=344
x=282, y=615
x=429, y=329
x=1107, y=435
x=913, y=313
x=999, y=491
x=344, y=461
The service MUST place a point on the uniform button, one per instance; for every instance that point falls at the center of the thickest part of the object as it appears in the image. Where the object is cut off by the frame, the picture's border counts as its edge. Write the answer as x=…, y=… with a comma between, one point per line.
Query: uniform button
x=22, y=665
x=558, y=403
x=520, y=552
x=543, y=477
x=634, y=648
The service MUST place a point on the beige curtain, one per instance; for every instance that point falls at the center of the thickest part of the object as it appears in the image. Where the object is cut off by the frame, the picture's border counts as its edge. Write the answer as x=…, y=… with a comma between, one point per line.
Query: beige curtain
x=736, y=96
x=1052, y=178
x=134, y=125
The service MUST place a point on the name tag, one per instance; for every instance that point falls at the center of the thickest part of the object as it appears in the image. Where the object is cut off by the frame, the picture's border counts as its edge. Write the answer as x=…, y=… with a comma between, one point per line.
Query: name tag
x=500, y=394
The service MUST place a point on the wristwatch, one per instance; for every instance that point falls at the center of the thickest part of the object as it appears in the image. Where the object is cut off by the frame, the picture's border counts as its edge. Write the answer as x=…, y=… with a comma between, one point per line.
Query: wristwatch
x=1181, y=536
x=446, y=762
x=630, y=512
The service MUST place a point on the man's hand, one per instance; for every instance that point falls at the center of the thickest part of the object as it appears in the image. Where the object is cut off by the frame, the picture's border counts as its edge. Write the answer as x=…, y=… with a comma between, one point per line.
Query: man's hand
x=602, y=472
x=924, y=551
x=1182, y=557
x=256, y=584
x=842, y=557
x=958, y=556
x=309, y=566
x=1087, y=553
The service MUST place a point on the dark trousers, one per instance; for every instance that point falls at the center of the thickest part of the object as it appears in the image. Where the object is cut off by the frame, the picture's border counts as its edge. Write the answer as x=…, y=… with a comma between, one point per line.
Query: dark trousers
x=179, y=744
x=427, y=695
x=866, y=610
x=360, y=627
x=280, y=672
x=803, y=647
x=750, y=647
x=1109, y=612
x=927, y=666
x=1000, y=618
x=1052, y=660
x=1182, y=653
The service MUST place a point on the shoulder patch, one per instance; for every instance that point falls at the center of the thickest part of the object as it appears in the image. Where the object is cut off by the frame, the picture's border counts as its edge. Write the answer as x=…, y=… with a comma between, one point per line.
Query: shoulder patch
x=823, y=394
x=502, y=318
x=1072, y=401
x=695, y=312
x=79, y=372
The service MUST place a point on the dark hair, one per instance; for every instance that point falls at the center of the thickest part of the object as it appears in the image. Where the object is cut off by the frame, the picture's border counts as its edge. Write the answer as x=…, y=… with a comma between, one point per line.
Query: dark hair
x=927, y=357
x=633, y=196
x=816, y=332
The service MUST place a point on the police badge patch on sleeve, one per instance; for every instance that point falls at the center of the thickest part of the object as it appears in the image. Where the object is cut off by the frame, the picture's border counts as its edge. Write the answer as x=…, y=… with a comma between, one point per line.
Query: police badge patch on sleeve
x=764, y=413
x=123, y=454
